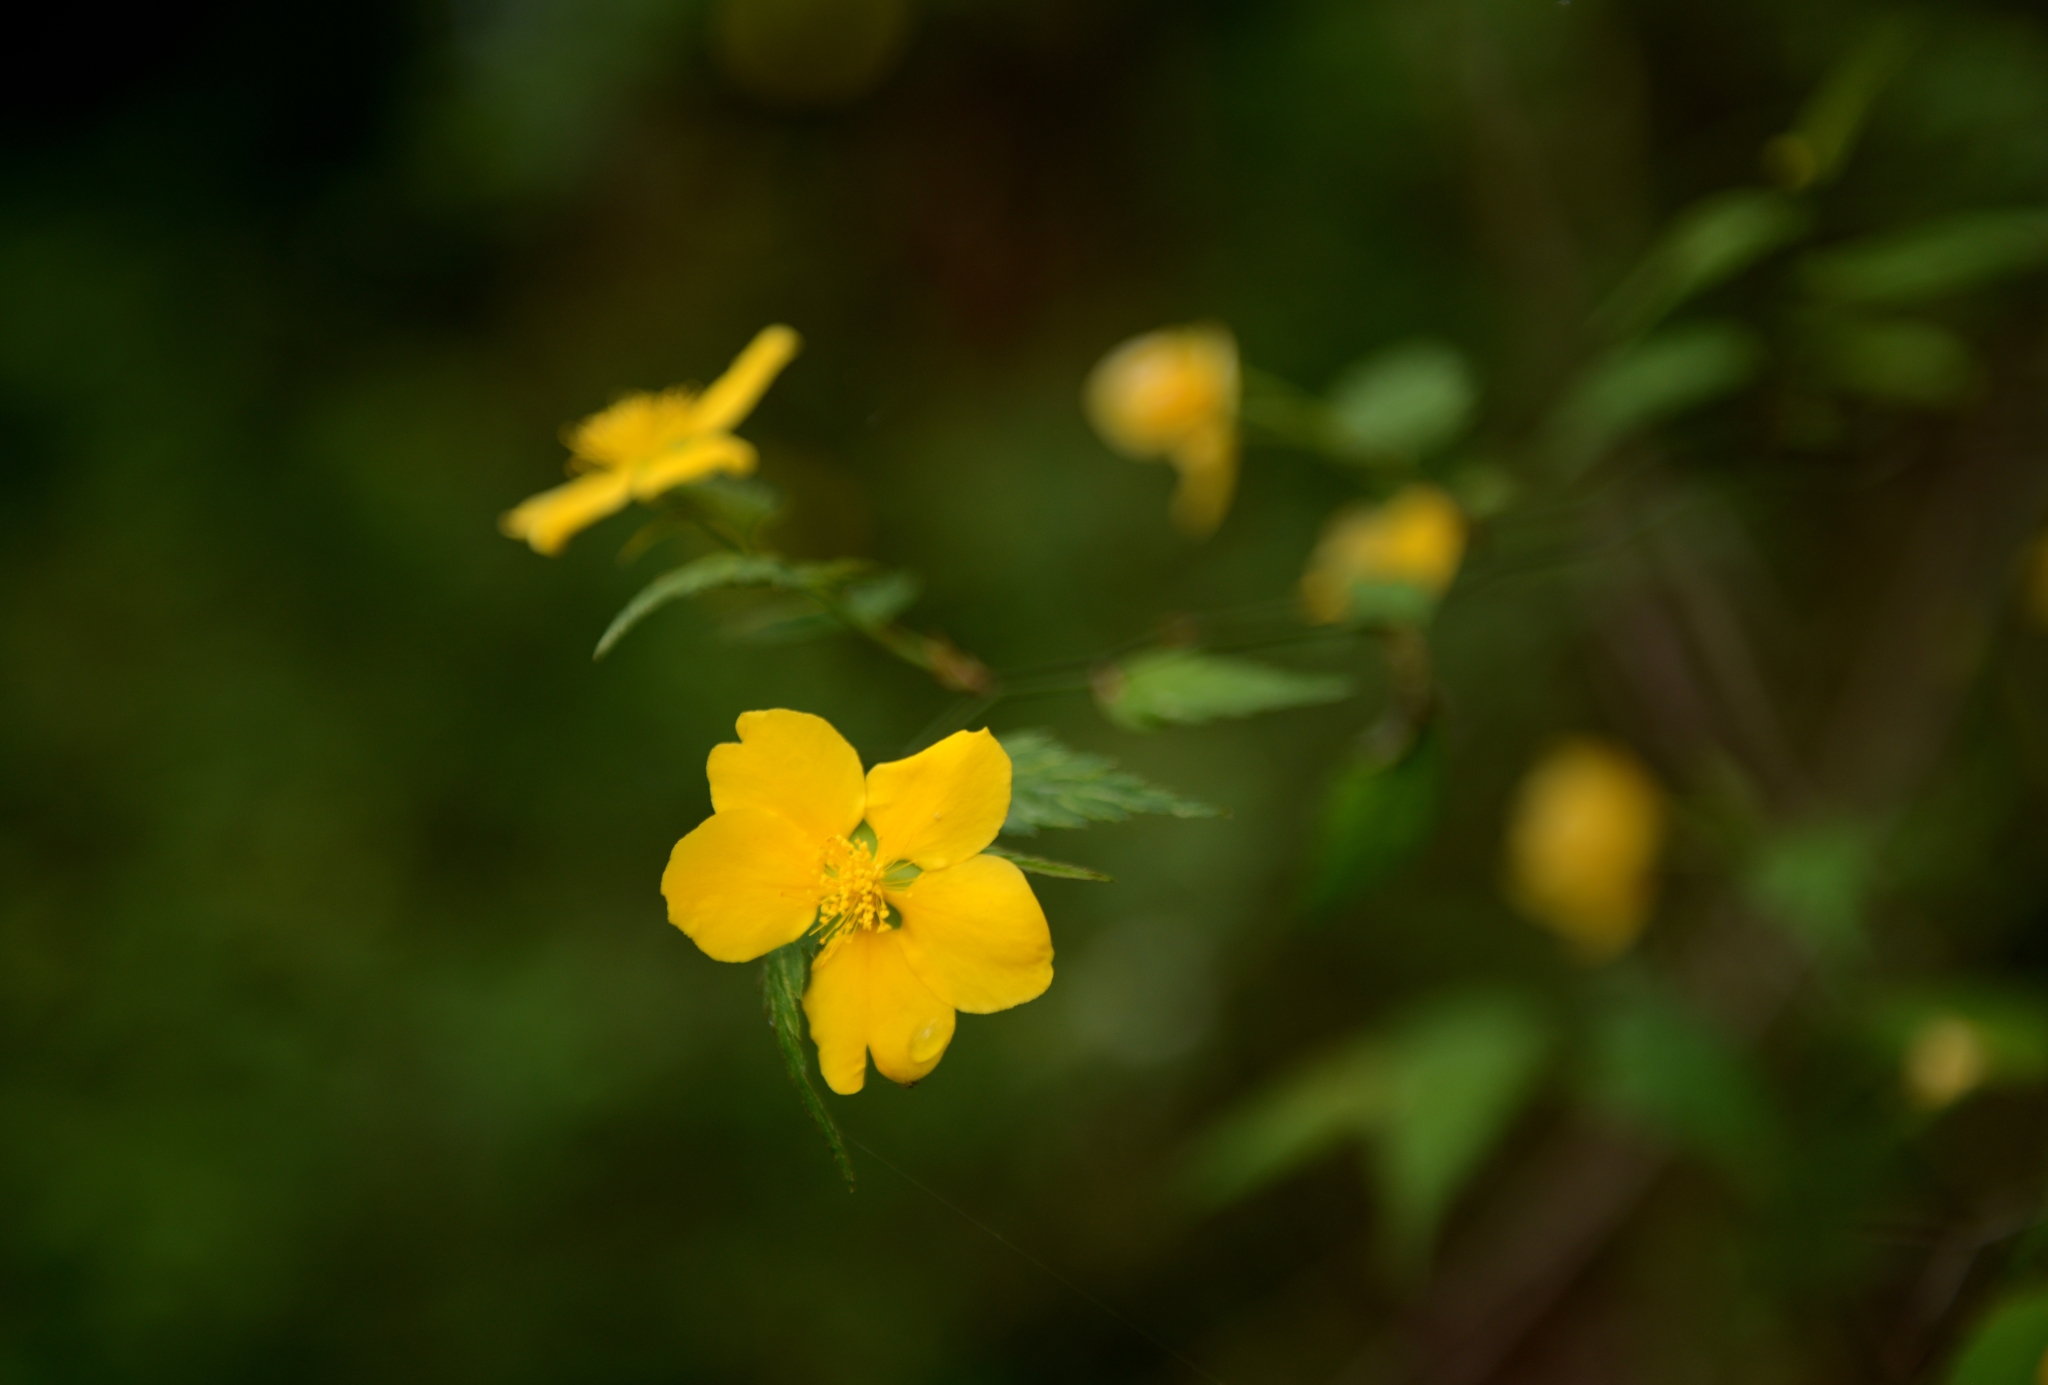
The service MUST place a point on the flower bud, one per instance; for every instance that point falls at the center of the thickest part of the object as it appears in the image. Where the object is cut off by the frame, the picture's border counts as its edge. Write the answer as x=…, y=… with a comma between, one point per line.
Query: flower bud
x=1583, y=842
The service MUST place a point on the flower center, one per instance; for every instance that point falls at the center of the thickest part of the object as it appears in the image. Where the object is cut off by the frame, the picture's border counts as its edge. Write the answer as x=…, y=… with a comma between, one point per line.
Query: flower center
x=851, y=898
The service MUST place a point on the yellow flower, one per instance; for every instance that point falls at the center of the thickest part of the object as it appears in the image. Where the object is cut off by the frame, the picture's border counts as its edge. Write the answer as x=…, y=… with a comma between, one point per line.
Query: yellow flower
x=913, y=920
x=2037, y=580
x=1416, y=539
x=1173, y=394
x=649, y=443
x=1582, y=845
x=1945, y=1061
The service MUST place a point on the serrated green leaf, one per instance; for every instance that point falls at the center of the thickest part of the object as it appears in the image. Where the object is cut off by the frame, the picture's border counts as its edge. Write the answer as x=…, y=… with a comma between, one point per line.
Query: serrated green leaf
x=1932, y=261
x=716, y=570
x=1708, y=244
x=871, y=603
x=1459, y=1072
x=1039, y=865
x=784, y=973
x=1054, y=785
x=1183, y=687
x=2007, y=1345
x=1341, y=1096
x=1404, y=402
x=1660, y=1067
x=1662, y=376
x=1377, y=816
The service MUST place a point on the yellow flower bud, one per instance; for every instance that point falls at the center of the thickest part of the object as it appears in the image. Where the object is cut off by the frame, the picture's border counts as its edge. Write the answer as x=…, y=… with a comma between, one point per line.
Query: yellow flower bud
x=1415, y=539
x=1173, y=394
x=1583, y=842
x=1945, y=1061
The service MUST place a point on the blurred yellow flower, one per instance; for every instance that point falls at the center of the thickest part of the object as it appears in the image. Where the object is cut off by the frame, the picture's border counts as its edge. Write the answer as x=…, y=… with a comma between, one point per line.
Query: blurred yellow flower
x=1415, y=539
x=2037, y=580
x=1582, y=845
x=1945, y=1061
x=886, y=871
x=1173, y=393
x=649, y=443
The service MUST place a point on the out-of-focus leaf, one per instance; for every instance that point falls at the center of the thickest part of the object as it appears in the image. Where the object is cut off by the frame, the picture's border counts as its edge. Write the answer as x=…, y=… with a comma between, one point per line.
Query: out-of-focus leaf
x=1183, y=687
x=2007, y=1345
x=1932, y=261
x=871, y=603
x=1814, y=880
x=740, y=505
x=1900, y=360
x=1379, y=813
x=716, y=570
x=1342, y=1096
x=1818, y=144
x=2010, y=1022
x=1039, y=865
x=1709, y=243
x=1664, y=375
x=1662, y=1068
x=1458, y=1073
x=1054, y=785
x=1404, y=402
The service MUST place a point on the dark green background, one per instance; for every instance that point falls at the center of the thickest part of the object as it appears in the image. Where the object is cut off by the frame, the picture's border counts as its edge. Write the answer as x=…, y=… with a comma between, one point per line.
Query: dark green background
x=342, y=1036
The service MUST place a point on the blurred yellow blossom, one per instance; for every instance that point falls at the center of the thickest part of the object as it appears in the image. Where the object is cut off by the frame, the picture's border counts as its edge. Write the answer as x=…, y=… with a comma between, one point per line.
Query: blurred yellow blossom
x=1415, y=539
x=1582, y=845
x=1945, y=1060
x=2037, y=580
x=649, y=443
x=1173, y=393
x=885, y=871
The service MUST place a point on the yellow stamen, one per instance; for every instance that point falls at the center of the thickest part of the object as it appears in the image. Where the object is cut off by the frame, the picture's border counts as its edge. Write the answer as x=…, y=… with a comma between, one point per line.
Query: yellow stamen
x=851, y=880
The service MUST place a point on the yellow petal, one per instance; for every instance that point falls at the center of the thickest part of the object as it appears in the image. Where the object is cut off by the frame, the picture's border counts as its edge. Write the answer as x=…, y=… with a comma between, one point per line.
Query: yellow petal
x=713, y=454
x=864, y=998
x=1207, y=461
x=549, y=520
x=743, y=884
x=1150, y=392
x=634, y=429
x=795, y=765
x=943, y=804
x=732, y=396
x=975, y=935
x=1583, y=843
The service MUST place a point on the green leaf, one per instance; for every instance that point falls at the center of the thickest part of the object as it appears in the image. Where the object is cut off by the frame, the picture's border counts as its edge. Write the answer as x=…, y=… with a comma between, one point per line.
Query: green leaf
x=735, y=505
x=1458, y=1073
x=1379, y=813
x=1054, y=785
x=1659, y=1067
x=1814, y=880
x=2010, y=1021
x=783, y=974
x=1290, y=1124
x=1404, y=402
x=1933, y=261
x=1039, y=865
x=1665, y=375
x=1708, y=244
x=1182, y=687
x=716, y=570
x=2008, y=1343
x=1896, y=359
x=871, y=603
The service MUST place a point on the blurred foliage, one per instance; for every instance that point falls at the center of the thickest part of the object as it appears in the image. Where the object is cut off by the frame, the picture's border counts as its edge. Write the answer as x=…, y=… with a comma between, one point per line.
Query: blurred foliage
x=344, y=1034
